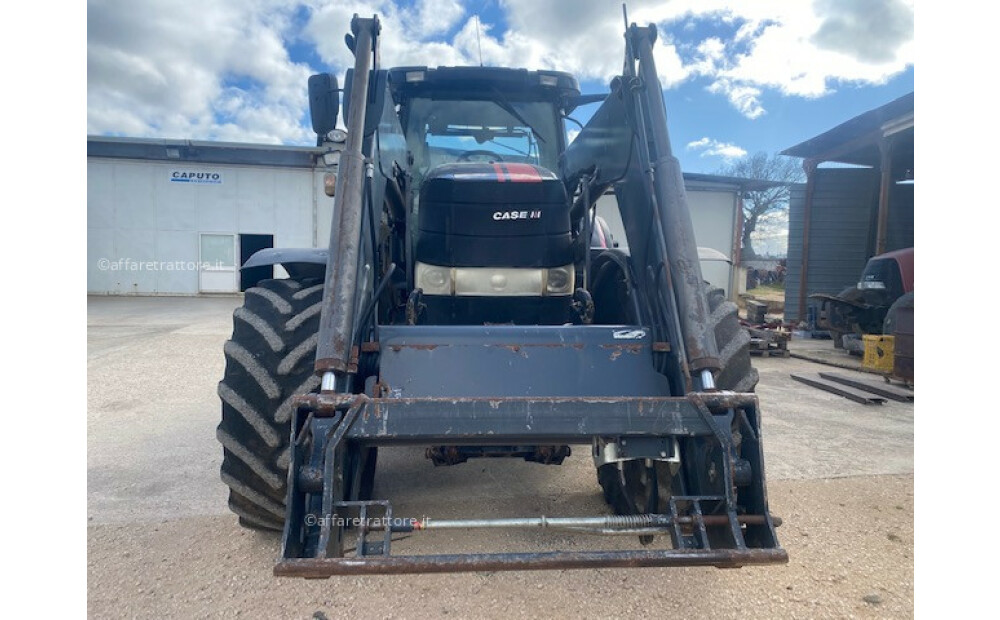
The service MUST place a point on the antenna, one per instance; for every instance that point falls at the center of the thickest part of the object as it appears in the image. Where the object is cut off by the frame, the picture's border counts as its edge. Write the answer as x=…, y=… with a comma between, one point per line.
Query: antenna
x=478, y=42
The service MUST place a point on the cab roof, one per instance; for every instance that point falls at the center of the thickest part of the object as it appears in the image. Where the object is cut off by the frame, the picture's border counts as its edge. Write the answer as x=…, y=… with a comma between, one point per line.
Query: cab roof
x=476, y=82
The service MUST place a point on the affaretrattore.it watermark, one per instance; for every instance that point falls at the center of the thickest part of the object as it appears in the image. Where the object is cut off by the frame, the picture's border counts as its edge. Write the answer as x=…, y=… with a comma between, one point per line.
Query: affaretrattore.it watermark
x=130, y=264
x=373, y=523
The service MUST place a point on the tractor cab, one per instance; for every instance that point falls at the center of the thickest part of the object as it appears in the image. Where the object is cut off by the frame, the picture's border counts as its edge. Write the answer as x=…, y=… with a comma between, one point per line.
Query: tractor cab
x=492, y=236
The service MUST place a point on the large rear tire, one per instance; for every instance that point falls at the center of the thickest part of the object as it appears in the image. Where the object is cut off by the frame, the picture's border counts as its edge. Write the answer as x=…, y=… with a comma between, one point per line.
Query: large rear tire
x=269, y=359
x=626, y=485
x=737, y=373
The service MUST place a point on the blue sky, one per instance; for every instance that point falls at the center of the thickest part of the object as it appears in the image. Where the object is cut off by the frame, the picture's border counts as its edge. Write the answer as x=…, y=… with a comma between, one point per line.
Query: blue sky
x=739, y=77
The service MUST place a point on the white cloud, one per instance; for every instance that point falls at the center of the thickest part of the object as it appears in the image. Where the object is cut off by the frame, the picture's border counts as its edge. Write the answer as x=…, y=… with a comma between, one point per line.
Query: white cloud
x=224, y=71
x=744, y=98
x=221, y=72
x=408, y=33
x=711, y=147
x=802, y=49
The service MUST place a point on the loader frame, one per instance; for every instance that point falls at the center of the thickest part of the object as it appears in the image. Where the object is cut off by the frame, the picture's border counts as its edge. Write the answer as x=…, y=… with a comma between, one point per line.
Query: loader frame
x=330, y=421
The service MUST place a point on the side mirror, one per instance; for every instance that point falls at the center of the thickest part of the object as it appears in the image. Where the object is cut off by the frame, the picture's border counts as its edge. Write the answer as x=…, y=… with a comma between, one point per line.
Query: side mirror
x=324, y=104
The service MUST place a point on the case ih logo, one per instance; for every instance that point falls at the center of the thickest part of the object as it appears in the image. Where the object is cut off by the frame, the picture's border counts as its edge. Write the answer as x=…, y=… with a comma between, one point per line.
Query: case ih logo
x=187, y=176
x=517, y=215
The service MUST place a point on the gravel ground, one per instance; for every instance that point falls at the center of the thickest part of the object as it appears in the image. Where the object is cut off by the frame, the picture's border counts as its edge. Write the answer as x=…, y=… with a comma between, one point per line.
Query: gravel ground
x=162, y=543
x=850, y=541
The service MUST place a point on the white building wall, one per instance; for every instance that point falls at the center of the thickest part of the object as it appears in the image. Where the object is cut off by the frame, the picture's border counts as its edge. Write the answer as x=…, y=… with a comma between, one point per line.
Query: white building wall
x=713, y=214
x=136, y=214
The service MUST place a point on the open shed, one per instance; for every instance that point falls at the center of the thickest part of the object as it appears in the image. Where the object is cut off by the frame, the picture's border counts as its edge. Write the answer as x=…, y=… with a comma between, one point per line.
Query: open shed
x=857, y=202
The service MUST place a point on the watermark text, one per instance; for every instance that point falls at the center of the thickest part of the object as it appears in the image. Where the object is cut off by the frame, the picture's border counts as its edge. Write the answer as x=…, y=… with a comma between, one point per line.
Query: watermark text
x=131, y=264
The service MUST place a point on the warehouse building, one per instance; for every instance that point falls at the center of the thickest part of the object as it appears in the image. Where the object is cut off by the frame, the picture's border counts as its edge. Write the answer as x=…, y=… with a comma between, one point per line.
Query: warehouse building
x=178, y=217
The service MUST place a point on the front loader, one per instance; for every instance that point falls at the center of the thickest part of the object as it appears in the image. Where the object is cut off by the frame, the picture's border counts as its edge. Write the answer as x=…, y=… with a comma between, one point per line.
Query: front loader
x=462, y=306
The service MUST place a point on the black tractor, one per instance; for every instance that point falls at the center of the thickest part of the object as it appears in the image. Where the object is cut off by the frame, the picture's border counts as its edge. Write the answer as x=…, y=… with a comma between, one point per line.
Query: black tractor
x=470, y=300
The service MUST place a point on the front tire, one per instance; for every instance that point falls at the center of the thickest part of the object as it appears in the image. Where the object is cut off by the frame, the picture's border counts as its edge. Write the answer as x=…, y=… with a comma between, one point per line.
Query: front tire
x=737, y=374
x=269, y=359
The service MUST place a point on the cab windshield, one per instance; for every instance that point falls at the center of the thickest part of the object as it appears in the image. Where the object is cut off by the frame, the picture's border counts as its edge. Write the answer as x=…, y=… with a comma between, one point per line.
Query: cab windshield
x=443, y=131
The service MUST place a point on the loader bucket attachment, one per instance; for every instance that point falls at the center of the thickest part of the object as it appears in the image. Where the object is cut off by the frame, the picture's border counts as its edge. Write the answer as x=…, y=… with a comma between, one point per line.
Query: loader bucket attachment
x=718, y=519
x=723, y=523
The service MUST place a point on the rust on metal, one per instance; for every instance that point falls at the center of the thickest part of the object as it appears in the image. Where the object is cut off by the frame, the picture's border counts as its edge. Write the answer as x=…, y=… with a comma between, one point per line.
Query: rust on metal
x=325, y=404
x=513, y=348
x=661, y=347
x=420, y=347
x=328, y=364
x=618, y=349
x=538, y=345
x=381, y=389
x=352, y=365
x=714, y=401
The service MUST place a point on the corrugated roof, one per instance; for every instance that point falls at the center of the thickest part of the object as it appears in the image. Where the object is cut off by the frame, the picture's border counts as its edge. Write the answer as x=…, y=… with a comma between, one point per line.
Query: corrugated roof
x=856, y=141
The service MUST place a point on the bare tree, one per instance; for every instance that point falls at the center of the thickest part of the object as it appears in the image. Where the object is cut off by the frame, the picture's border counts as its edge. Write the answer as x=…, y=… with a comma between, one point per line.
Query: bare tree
x=759, y=202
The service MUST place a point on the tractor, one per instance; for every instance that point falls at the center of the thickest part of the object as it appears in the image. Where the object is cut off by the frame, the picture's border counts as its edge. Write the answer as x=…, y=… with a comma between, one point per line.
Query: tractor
x=469, y=301
x=871, y=305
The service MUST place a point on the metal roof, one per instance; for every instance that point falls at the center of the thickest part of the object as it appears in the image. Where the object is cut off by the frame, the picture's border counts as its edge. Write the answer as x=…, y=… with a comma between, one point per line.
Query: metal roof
x=198, y=151
x=697, y=180
x=856, y=141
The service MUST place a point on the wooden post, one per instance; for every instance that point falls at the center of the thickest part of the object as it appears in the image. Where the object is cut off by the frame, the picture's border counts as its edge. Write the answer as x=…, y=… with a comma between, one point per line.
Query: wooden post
x=885, y=168
x=809, y=166
x=737, y=253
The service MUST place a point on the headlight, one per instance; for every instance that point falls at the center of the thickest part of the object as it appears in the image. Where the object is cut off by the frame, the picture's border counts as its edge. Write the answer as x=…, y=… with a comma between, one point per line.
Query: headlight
x=559, y=281
x=485, y=281
x=494, y=281
x=434, y=280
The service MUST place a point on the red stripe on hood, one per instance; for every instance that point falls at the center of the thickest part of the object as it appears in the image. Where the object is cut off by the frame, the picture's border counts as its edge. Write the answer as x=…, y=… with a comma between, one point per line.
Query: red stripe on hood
x=500, y=172
x=523, y=173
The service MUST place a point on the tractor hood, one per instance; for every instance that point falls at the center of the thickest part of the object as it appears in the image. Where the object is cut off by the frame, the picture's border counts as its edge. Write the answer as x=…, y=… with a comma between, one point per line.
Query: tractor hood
x=472, y=214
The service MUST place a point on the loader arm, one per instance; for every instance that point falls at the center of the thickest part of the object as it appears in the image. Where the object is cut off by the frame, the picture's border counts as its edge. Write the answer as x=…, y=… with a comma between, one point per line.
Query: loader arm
x=626, y=144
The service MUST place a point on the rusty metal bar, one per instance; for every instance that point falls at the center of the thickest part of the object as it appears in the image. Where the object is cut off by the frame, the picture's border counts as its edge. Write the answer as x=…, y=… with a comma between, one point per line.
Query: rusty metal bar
x=717, y=401
x=328, y=567
x=889, y=391
x=496, y=421
x=849, y=393
x=608, y=522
